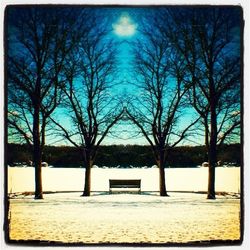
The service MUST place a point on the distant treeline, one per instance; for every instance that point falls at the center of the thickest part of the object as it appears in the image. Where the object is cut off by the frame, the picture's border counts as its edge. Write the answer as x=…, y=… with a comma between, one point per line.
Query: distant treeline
x=114, y=155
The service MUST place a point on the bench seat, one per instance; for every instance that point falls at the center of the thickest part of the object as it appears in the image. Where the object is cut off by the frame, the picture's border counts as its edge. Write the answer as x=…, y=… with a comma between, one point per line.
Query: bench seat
x=125, y=184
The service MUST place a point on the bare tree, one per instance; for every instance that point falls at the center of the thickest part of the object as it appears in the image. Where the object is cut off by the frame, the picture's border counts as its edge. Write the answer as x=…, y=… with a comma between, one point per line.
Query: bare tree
x=158, y=109
x=208, y=39
x=38, y=41
x=88, y=99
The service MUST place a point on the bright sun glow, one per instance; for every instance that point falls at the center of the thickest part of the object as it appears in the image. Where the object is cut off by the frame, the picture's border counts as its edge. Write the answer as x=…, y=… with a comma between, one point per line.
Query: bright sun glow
x=125, y=26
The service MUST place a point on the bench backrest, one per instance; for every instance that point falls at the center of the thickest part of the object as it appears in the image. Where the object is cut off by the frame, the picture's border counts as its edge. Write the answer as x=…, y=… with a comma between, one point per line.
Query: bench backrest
x=128, y=182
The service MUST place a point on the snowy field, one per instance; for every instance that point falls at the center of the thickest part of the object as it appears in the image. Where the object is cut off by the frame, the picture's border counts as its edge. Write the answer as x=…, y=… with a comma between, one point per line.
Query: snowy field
x=21, y=179
x=125, y=218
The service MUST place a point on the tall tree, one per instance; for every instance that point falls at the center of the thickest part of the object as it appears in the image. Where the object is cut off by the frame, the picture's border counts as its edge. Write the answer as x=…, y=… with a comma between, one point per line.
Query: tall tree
x=162, y=90
x=38, y=41
x=209, y=40
x=88, y=100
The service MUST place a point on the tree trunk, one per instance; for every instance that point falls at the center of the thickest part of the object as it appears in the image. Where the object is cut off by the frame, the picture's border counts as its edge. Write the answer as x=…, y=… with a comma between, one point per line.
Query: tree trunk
x=212, y=159
x=212, y=154
x=87, y=184
x=37, y=155
x=163, y=191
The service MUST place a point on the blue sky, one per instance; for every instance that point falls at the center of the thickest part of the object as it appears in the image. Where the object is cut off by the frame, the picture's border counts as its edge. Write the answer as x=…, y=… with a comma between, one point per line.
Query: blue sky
x=125, y=24
x=125, y=29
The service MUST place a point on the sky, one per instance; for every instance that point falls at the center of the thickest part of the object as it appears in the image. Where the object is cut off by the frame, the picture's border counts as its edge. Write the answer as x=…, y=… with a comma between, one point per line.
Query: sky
x=125, y=29
x=125, y=25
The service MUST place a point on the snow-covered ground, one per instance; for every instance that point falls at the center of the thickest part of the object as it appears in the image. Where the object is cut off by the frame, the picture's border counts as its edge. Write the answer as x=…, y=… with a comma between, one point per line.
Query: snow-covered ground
x=21, y=179
x=124, y=218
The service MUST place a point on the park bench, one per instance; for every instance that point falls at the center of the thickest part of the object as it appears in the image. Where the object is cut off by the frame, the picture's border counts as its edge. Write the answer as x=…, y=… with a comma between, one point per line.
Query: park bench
x=125, y=184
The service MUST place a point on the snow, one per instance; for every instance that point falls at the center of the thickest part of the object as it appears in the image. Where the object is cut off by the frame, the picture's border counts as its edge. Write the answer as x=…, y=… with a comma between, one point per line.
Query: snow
x=124, y=218
x=72, y=179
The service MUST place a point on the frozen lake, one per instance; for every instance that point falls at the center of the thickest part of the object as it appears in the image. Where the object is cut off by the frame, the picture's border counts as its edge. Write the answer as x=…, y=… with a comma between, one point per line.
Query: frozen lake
x=21, y=179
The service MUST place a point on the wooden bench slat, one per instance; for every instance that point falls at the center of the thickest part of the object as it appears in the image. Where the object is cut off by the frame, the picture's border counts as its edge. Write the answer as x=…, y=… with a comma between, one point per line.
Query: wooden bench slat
x=124, y=183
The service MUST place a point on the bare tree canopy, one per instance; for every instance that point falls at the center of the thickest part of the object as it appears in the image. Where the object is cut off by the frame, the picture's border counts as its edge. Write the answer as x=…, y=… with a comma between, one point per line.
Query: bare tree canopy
x=208, y=40
x=179, y=67
x=162, y=99
x=92, y=108
x=39, y=40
